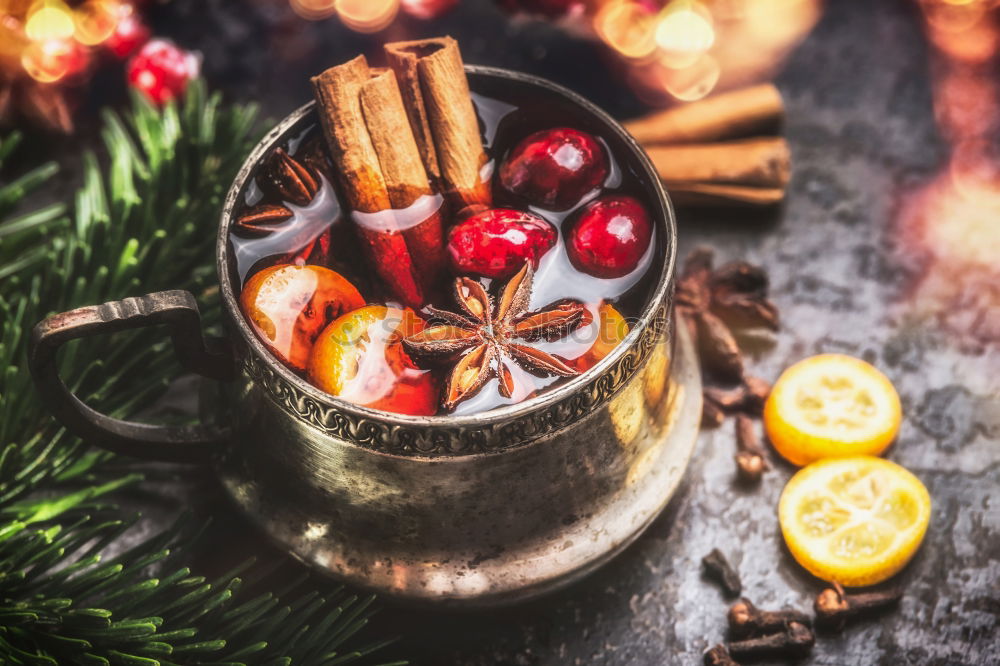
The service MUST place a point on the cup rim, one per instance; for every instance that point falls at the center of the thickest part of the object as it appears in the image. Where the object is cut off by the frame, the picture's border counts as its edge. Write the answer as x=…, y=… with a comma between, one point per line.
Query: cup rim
x=503, y=414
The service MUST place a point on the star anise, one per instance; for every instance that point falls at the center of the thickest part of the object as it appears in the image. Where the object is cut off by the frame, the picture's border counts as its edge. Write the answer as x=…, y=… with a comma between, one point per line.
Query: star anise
x=483, y=341
x=286, y=179
x=712, y=303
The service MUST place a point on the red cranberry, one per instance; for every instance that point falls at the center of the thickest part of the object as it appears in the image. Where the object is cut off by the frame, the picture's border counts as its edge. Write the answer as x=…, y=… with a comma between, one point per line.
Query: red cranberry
x=495, y=243
x=162, y=70
x=554, y=168
x=609, y=237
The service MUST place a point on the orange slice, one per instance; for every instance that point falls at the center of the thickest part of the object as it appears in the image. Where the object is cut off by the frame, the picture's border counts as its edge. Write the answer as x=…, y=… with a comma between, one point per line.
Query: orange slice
x=830, y=406
x=855, y=521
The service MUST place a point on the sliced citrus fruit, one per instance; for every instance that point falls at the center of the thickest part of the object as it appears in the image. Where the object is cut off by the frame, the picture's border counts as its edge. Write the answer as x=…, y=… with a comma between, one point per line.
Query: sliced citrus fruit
x=609, y=331
x=289, y=305
x=854, y=521
x=359, y=358
x=831, y=406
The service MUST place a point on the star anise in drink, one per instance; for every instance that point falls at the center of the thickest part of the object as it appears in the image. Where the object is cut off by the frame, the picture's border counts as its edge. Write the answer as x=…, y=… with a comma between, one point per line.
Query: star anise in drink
x=486, y=338
x=712, y=303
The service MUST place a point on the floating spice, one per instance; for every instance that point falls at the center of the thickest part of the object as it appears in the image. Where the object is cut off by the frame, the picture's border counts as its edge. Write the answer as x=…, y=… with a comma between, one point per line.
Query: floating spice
x=484, y=338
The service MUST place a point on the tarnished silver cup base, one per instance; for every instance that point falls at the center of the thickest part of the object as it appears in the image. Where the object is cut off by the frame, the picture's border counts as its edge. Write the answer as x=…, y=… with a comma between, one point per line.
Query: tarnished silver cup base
x=496, y=573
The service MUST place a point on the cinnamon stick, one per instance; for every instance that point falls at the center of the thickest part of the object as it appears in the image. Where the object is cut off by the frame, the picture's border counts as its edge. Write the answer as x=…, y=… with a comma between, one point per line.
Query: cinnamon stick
x=709, y=194
x=391, y=138
x=763, y=162
x=723, y=116
x=403, y=62
x=337, y=92
x=441, y=102
x=338, y=96
x=404, y=174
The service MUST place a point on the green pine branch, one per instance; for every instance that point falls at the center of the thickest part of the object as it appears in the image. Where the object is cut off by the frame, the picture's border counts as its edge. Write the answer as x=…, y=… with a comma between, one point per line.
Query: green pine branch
x=144, y=219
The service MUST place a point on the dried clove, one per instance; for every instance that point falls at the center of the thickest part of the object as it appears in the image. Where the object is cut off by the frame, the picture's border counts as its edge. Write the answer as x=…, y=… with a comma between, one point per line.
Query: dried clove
x=750, y=462
x=757, y=391
x=739, y=295
x=717, y=567
x=692, y=285
x=712, y=303
x=719, y=351
x=719, y=656
x=796, y=640
x=748, y=397
x=746, y=620
x=729, y=399
x=834, y=607
x=712, y=414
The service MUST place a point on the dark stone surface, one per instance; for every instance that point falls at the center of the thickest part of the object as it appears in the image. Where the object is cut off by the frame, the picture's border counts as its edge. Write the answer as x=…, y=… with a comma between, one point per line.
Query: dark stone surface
x=847, y=276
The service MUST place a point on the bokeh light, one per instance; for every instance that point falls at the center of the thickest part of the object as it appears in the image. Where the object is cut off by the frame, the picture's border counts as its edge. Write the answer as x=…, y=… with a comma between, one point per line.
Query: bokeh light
x=366, y=15
x=627, y=27
x=314, y=10
x=686, y=49
x=684, y=35
x=694, y=81
x=53, y=59
x=95, y=21
x=49, y=21
x=951, y=221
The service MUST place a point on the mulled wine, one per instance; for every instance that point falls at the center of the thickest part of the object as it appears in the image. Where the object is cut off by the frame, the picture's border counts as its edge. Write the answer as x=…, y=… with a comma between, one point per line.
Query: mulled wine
x=423, y=249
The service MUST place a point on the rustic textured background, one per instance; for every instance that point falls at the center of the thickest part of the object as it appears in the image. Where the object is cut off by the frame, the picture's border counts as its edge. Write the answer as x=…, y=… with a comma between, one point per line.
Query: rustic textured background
x=848, y=275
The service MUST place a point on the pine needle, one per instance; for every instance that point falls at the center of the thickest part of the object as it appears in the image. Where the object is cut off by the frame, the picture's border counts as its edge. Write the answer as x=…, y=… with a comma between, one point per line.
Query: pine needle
x=142, y=220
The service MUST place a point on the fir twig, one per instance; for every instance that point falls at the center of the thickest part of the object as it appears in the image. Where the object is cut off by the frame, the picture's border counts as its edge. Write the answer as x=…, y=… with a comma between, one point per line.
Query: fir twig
x=142, y=220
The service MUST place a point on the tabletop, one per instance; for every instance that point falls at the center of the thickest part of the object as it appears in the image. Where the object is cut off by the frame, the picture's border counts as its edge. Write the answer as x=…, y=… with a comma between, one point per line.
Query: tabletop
x=854, y=268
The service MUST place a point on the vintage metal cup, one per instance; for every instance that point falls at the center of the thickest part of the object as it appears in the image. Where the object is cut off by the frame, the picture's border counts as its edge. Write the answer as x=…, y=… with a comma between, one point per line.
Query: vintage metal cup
x=477, y=509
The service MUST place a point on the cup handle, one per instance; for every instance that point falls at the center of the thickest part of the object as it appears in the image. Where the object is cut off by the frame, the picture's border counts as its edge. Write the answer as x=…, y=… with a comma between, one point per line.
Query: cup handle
x=206, y=356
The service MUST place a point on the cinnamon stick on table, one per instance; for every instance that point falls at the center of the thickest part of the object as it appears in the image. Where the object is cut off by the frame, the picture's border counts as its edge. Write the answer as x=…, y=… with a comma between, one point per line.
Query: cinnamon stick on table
x=442, y=117
x=723, y=116
x=751, y=171
x=760, y=162
x=709, y=194
x=379, y=169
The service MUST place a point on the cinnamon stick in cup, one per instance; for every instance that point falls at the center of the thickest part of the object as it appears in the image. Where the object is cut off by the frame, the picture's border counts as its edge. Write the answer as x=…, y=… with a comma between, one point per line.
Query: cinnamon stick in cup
x=397, y=247
x=418, y=207
x=338, y=101
x=722, y=116
x=439, y=106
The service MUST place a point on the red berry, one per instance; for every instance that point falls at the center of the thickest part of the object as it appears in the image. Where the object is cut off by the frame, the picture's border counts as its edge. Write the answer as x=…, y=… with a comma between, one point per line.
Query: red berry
x=427, y=9
x=554, y=168
x=130, y=33
x=495, y=243
x=162, y=70
x=609, y=237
